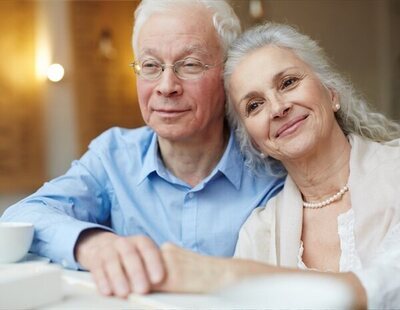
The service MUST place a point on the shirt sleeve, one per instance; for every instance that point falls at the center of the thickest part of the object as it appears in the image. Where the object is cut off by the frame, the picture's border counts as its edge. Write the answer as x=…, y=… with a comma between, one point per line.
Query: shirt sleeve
x=63, y=208
x=380, y=277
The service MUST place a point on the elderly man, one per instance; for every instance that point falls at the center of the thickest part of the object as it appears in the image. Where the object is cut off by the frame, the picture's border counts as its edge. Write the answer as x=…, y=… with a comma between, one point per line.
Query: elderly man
x=180, y=179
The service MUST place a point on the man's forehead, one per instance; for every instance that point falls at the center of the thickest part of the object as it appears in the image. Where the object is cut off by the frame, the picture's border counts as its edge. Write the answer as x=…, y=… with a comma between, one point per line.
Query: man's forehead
x=196, y=48
x=179, y=23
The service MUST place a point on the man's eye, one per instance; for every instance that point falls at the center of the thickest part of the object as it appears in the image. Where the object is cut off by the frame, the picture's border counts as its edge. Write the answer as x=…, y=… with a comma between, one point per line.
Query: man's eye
x=150, y=64
x=191, y=65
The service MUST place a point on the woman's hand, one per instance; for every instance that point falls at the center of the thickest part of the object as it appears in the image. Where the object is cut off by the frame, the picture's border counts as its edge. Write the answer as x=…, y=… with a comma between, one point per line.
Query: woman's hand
x=188, y=272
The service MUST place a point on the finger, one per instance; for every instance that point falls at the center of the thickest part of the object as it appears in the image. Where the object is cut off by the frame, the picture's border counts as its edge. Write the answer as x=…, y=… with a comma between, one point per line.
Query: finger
x=152, y=260
x=116, y=276
x=135, y=269
x=133, y=264
x=101, y=281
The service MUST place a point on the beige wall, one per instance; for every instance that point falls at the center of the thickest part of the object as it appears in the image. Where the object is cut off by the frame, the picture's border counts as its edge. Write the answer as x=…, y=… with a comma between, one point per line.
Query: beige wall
x=394, y=60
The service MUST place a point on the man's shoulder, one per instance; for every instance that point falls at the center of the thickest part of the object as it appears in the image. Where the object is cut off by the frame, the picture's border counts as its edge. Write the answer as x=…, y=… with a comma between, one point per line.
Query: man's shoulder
x=118, y=137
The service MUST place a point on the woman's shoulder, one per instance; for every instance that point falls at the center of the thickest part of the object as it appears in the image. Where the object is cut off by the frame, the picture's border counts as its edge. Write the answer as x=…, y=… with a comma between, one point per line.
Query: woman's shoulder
x=262, y=215
x=368, y=148
x=368, y=156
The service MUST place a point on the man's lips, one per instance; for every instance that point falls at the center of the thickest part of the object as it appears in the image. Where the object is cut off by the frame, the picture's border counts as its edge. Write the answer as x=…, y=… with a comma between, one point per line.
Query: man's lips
x=290, y=126
x=169, y=113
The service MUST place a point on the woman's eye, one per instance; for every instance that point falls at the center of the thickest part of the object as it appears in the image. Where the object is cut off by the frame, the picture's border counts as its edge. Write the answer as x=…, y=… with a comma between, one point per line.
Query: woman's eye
x=252, y=106
x=289, y=82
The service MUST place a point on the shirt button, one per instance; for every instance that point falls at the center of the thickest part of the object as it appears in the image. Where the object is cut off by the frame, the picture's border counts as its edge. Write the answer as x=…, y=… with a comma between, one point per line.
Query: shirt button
x=64, y=263
x=190, y=195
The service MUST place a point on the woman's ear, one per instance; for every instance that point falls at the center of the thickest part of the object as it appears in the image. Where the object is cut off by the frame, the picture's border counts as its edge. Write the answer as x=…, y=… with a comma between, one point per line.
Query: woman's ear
x=257, y=148
x=334, y=99
x=254, y=144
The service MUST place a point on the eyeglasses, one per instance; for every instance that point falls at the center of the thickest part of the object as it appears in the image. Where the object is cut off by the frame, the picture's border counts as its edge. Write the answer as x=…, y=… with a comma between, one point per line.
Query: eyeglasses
x=185, y=69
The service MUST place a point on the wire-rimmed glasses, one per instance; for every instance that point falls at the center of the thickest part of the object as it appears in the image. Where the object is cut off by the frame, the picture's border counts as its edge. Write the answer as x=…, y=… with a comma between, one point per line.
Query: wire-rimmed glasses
x=185, y=69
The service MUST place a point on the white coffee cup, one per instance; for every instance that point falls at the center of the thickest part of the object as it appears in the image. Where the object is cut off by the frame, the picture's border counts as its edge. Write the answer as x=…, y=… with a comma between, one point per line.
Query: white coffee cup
x=15, y=241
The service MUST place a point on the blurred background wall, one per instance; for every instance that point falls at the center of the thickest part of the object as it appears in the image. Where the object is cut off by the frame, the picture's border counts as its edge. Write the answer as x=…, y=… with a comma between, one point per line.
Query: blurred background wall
x=45, y=125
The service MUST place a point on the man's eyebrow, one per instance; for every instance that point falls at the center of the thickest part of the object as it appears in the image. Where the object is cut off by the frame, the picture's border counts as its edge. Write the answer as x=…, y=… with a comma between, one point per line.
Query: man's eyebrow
x=147, y=51
x=190, y=49
x=196, y=48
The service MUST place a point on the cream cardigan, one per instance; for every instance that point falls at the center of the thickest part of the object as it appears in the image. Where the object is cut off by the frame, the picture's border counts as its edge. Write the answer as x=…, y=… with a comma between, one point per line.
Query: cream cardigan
x=272, y=234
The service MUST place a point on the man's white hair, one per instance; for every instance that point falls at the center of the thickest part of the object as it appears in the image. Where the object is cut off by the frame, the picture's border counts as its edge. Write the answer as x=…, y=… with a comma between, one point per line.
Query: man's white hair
x=225, y=21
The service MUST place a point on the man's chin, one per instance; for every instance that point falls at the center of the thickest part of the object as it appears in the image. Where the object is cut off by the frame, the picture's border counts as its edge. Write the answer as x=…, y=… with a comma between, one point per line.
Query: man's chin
x=173, y=132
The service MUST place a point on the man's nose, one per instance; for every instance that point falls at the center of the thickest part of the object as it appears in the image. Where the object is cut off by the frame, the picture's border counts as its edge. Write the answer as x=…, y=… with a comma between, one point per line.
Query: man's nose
x=169, y=84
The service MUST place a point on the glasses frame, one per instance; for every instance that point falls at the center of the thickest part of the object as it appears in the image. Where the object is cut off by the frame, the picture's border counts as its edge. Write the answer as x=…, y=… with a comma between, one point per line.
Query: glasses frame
x=136, y=65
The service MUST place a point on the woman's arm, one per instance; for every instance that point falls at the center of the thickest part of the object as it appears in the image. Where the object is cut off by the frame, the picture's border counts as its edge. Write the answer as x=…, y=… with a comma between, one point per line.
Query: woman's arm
x=188, y=272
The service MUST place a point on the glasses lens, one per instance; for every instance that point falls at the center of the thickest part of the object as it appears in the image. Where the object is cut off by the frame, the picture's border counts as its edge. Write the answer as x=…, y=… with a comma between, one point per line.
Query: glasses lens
x=150, y=69
x=189, y=68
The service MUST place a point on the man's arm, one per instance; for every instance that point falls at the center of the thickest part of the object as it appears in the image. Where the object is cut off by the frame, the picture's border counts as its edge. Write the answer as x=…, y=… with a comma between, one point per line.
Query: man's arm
x=64, y=207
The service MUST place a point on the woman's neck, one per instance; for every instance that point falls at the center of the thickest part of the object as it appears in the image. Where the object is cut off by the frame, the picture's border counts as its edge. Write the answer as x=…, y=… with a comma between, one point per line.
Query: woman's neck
x=325, y=171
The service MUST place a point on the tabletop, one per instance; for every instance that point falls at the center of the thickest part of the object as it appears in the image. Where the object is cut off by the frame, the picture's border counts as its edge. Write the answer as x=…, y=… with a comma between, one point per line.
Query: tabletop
x=36, y=283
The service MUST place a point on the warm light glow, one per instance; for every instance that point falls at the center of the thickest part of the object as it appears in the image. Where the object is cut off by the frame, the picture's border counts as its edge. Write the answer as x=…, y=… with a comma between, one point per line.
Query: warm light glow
x=55, y=72
x=43, y=48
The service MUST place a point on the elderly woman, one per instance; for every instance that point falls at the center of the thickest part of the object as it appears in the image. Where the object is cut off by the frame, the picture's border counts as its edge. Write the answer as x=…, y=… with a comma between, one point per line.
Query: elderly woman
x=339, y=212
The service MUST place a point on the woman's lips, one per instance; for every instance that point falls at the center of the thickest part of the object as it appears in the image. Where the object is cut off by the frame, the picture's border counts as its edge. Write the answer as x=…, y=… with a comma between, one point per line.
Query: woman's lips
x=290, y=126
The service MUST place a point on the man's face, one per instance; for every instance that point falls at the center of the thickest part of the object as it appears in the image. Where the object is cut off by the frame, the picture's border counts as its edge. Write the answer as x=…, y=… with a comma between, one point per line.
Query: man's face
x=180, y=109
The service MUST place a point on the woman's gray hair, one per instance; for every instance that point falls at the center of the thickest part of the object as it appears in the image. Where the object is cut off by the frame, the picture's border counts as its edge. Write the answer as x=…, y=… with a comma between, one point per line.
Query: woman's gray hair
x=354, y=116
x=226, y=22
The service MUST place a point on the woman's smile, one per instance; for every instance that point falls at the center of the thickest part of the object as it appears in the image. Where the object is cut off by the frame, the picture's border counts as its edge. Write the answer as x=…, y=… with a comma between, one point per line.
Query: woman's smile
x=290, y=126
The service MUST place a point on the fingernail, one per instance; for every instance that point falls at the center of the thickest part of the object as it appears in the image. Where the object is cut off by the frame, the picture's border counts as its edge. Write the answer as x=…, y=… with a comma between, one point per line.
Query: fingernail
x=104, y=288
x=140, y=287
x=122, y=289
x=156, y=276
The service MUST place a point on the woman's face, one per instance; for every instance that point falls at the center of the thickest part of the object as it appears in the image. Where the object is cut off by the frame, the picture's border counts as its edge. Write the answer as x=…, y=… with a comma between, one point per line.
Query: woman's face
x=286, y=110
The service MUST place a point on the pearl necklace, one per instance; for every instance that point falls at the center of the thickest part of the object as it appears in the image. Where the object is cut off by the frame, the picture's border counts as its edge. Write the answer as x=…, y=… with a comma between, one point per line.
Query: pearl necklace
x=327, y=201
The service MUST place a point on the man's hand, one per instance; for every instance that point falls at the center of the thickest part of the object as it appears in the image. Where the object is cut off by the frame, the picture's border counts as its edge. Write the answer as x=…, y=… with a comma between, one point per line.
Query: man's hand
x=120, y=265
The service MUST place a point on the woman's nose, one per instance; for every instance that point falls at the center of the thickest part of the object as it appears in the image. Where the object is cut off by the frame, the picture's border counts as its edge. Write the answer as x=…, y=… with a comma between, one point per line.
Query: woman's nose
x=280, y=108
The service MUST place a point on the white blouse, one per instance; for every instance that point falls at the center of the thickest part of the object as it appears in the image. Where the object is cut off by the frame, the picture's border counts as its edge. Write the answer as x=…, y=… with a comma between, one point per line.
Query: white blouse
x=349, y=259
x=381, y=279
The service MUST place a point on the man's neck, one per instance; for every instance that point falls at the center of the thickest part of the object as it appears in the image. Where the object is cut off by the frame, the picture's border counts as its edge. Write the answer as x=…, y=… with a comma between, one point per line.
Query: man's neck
x=193, y=160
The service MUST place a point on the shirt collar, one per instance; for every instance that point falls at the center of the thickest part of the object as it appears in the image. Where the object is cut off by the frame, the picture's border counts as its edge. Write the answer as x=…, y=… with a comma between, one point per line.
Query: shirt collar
x=150, y=161
x=230, y=165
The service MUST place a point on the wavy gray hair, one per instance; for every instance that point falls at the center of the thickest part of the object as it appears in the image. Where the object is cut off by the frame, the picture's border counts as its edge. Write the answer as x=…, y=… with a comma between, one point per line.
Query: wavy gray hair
x=354, y=116
x=225, y=21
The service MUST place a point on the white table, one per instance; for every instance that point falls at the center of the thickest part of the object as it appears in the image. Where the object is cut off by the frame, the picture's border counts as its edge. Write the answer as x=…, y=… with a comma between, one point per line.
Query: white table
x=80, y=292
x=76, y=290
x=34, y=280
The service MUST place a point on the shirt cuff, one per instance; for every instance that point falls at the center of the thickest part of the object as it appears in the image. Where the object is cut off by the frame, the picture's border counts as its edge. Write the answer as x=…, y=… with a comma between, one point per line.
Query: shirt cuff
x=66, y=237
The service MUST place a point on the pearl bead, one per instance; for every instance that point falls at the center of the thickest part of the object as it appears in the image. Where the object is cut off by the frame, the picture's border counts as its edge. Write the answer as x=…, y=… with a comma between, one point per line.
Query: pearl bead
x=327, y=201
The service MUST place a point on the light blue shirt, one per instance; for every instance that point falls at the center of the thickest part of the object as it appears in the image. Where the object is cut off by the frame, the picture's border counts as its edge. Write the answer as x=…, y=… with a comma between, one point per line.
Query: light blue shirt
x=122, y=185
